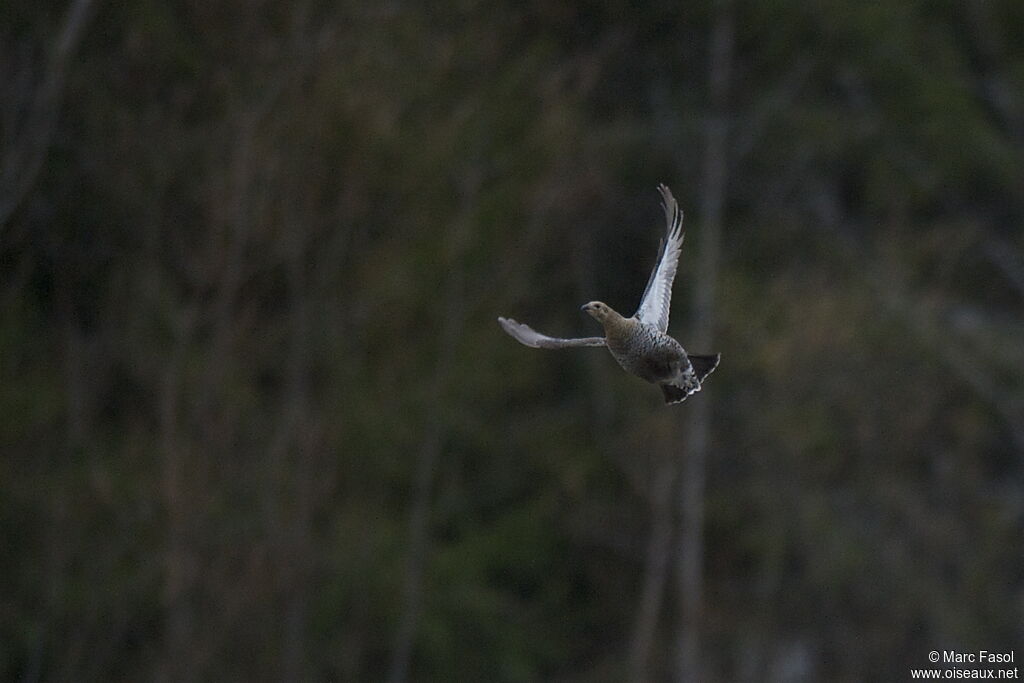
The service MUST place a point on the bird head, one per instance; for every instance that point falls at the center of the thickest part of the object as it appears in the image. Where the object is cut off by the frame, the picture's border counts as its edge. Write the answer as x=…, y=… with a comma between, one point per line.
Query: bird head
x=599, y=311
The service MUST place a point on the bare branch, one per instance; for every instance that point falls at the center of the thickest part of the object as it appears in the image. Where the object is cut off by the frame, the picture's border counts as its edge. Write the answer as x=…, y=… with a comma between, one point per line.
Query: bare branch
x=22, y=163
x=753, y=127
x=941, y=332
x=1003, y=256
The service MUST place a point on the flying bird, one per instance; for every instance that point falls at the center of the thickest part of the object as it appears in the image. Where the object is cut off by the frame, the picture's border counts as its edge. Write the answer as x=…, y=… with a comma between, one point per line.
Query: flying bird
x=640, y=343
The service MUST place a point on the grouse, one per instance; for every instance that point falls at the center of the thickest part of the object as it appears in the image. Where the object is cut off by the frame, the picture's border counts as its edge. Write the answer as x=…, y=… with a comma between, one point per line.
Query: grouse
x=640, y=343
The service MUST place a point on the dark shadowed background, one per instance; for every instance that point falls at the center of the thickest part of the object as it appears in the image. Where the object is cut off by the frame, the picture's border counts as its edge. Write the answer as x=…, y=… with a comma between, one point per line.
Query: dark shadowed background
x=258, y=420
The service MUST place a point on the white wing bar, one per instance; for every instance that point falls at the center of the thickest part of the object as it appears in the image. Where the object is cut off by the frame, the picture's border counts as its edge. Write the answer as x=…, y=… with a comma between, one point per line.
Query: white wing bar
x=657, y=299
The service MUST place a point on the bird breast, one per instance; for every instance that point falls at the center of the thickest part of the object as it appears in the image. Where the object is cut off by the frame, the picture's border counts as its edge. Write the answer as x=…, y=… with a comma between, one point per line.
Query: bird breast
x=646, y=352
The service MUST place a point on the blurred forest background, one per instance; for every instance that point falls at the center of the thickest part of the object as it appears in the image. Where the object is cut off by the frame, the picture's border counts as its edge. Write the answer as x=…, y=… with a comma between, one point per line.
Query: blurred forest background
x=258, y=421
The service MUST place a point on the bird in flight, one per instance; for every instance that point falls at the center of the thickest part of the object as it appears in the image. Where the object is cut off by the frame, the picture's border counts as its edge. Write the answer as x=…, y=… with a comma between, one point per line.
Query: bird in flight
x=641, y=344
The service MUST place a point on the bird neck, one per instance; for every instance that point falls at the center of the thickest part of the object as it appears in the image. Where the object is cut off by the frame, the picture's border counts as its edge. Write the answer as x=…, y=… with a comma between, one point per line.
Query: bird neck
x=615, y=326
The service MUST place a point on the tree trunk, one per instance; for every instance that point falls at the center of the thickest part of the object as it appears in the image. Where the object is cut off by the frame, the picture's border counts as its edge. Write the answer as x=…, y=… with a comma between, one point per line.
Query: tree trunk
x=177, y=558
x=656, y=567
x=690, y=551
x=432, y=444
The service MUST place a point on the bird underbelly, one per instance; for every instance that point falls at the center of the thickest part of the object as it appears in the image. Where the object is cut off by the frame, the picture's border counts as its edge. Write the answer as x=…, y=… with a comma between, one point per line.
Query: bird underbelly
x=652, y=368
x=633, y=365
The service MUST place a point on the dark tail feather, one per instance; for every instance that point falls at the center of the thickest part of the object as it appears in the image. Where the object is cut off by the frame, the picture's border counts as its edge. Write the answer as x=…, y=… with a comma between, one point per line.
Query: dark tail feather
x=674, y=394
x=704, y=365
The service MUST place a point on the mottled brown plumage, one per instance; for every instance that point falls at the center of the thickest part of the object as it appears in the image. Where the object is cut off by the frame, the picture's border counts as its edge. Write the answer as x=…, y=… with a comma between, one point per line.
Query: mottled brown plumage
x=640, y=343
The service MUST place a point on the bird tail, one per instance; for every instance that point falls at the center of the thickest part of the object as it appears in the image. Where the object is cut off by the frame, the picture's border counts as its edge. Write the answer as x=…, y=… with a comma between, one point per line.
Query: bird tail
x=704, y=365
x=674, y=394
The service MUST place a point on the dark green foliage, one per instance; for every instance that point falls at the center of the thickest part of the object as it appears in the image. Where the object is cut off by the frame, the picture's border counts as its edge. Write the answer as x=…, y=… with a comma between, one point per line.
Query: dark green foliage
x=247, y=320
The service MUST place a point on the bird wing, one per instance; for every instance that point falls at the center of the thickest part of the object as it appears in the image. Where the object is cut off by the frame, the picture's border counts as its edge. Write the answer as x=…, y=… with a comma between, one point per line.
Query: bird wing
x=524, y=334
x=654, y=306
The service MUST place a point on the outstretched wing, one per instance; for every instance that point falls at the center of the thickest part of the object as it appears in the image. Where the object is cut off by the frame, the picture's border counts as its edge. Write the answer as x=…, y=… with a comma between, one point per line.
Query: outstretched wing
x=524, y=334
x=654, y=306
